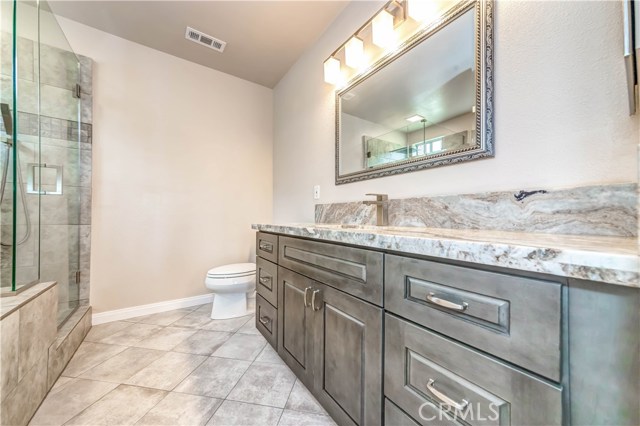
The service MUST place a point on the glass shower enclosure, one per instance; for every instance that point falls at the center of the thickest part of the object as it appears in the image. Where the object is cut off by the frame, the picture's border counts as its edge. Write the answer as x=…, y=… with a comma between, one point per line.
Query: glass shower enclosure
x=41, y=135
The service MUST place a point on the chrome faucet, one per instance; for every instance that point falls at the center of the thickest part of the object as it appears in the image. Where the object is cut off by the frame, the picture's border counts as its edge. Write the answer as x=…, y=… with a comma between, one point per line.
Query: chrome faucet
x=382, y=208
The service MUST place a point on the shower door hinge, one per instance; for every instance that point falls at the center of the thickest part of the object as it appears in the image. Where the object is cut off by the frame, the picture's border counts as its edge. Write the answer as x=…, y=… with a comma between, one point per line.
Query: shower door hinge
x=77, y=91
x=77, y=277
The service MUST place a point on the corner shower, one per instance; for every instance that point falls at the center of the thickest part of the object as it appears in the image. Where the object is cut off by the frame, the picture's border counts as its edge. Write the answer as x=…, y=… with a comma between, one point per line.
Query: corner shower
x=45, y=135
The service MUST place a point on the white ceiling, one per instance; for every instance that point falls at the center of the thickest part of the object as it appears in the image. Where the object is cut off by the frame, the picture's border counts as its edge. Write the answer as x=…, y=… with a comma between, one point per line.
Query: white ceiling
x=264, y=38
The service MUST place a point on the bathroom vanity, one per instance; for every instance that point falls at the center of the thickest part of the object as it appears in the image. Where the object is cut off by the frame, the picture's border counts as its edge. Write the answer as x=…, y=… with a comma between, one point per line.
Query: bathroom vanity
x=402, y=326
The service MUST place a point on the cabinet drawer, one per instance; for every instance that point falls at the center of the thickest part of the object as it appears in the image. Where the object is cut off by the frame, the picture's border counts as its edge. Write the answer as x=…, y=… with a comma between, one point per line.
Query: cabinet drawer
x=267, y=320
x=515, y=318
x=267, y=246
x=429, y=375
x=394, y=416
x=267, y=280
x=352, y=270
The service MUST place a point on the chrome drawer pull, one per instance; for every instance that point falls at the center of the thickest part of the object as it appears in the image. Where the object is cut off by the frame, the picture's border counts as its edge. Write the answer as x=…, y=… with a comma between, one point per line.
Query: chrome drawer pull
x=444, y=399
x=266, y=246
x=313, y=300
x=265, y=280
x=306, y=291
x=431, y=297
x=264, y=320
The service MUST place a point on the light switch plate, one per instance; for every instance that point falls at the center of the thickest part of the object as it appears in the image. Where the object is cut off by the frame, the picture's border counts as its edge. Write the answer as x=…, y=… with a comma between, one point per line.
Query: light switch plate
x=316, y=192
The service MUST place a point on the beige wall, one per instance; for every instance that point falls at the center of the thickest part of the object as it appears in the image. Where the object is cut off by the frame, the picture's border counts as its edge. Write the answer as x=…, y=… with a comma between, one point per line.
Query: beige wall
x=561, y=111
x=182, y=166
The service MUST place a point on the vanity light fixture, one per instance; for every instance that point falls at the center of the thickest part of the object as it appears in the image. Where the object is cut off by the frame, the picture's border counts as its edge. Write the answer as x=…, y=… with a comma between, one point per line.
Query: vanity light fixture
x=382, y=28
x=332, y=71
x=422, y=10
x=384, y=35
x=354, y=53
x=414, y=118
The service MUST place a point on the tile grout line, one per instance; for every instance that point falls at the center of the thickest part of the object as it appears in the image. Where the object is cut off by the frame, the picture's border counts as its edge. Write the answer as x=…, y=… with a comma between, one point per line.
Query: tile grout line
x=171, y=350
x=245, y=371
x=94, y=366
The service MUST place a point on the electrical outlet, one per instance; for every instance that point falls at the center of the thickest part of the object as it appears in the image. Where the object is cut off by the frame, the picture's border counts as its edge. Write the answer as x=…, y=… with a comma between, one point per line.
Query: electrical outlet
x=316, y=192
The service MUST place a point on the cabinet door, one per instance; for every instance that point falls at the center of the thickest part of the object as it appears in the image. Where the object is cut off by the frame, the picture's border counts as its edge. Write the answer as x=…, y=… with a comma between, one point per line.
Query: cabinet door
x=348, y=356
x=295, y=340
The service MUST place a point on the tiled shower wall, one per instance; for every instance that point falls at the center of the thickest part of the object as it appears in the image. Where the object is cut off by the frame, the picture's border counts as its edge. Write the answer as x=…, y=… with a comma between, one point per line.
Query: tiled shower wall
x=65, y=220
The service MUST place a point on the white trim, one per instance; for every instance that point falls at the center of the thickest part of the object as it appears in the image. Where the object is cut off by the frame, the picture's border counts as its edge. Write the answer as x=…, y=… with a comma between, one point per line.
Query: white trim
x=152, y=308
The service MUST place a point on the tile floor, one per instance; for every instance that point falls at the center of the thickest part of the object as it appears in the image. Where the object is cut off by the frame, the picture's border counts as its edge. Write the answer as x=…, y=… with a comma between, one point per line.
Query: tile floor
x=178, y=368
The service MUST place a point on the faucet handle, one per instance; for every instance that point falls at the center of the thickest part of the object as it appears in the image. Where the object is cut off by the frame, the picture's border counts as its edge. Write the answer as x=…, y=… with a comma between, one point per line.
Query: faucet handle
x=380, y=197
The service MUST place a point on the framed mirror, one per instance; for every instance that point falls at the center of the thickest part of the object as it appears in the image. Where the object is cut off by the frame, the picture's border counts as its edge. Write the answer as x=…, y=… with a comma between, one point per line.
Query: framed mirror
x=427, y=104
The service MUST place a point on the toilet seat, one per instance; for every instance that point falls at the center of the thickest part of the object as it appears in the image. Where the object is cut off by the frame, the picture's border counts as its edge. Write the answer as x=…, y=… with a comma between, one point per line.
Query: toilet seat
x=235, y=270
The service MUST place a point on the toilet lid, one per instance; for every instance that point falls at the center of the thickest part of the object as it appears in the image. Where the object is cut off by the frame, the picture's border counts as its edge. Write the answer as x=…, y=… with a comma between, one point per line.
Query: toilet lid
x=232, y=271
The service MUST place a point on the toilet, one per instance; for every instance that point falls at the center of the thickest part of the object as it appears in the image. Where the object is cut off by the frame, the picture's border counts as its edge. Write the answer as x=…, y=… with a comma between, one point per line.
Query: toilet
x=230, y=285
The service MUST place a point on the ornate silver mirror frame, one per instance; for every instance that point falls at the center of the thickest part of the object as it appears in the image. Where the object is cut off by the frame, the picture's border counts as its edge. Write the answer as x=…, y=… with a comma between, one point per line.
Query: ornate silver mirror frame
x=484, y=108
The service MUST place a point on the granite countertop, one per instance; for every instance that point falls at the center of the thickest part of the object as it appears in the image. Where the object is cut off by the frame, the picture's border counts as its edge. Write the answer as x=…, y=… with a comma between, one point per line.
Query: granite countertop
x=611, y=260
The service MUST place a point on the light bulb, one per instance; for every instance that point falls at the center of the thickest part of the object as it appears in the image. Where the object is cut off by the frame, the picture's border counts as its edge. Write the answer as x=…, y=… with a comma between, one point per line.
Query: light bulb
x=354, y=53
x=384, y=35
x=423, y=10
x=332, y=71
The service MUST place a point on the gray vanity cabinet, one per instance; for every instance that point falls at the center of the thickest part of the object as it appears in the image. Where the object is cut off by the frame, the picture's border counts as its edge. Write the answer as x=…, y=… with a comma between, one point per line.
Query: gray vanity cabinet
x=295, y=324
x=267, y=246
x=515, y=318
x=348, y=357
x=355, y=271
x=267, y=320
x=380, y=337
x=267, y=280
x=333, y=343
x=425, y=371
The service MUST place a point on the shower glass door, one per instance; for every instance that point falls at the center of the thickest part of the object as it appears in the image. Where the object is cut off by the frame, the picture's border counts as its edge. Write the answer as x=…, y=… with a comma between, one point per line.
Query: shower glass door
x=6, y=142
x=20, y=146
x=59, y=172
x=42, y=205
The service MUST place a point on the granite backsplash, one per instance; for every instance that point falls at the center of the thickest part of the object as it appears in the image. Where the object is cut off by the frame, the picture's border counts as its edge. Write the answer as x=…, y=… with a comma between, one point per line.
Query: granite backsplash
x=609, y=210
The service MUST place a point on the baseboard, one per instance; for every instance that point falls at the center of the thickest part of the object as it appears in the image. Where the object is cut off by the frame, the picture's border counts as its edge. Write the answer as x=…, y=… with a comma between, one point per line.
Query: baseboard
x=152, y=308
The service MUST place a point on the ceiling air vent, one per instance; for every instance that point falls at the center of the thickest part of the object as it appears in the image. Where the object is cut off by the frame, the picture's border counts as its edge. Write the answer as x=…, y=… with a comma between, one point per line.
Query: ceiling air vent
x=205, y=40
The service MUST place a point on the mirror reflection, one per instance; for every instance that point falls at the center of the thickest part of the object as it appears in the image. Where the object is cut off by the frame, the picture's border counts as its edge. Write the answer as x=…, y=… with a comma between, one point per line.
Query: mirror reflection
x=420, y=105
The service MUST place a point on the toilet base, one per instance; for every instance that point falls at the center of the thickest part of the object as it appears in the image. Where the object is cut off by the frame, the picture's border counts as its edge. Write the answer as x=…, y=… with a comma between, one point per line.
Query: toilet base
x=229, y=305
